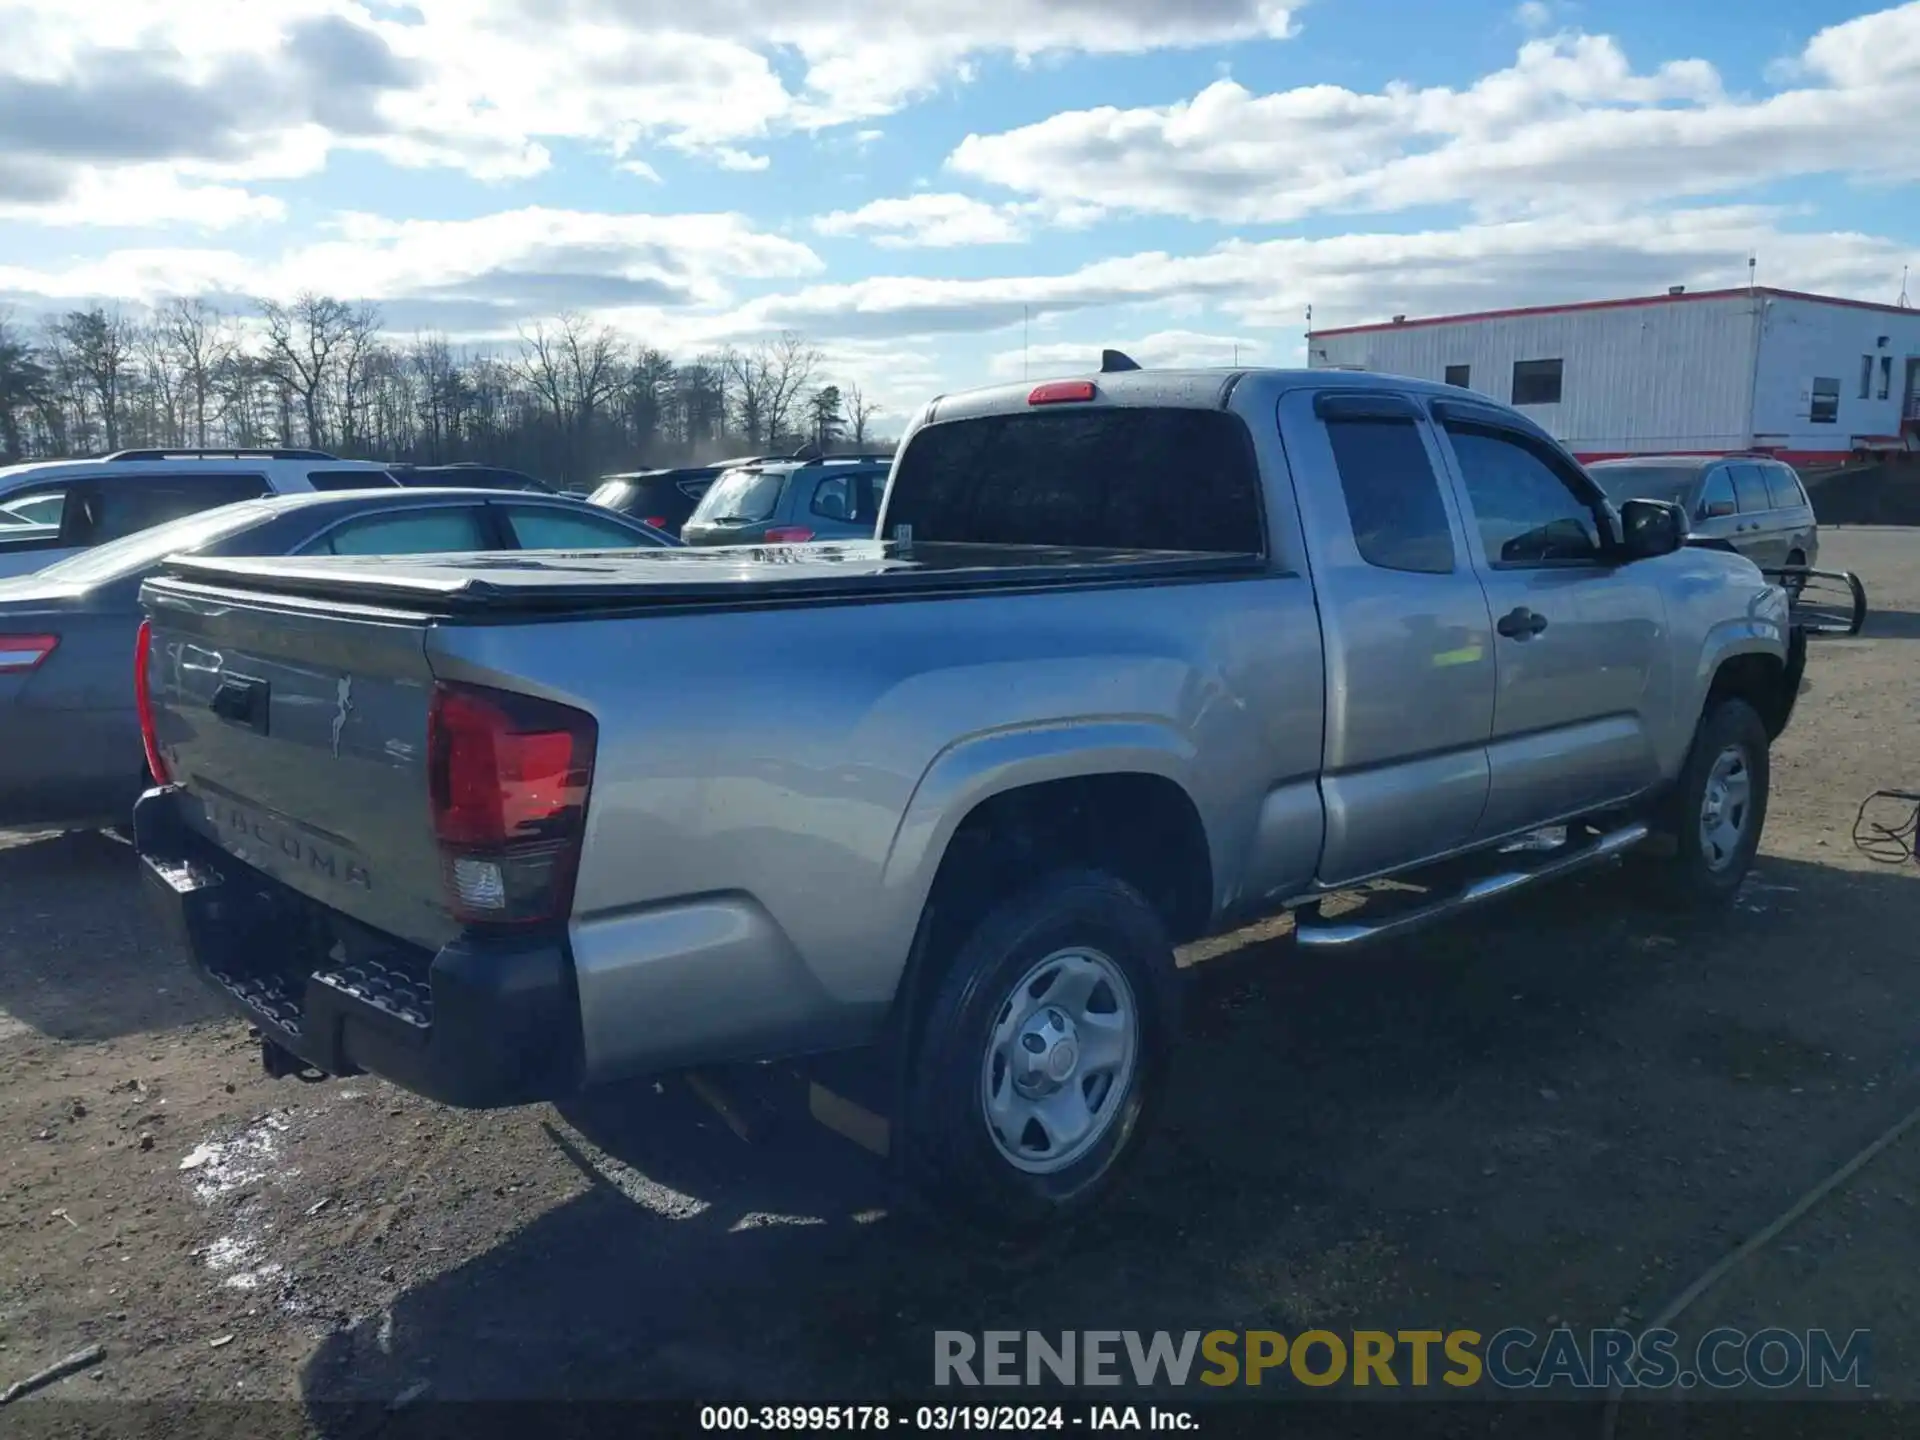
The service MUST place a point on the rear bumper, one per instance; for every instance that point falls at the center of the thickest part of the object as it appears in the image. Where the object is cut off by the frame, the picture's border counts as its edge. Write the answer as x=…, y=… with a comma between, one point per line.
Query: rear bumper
x=487, y=1021
x=68, y=767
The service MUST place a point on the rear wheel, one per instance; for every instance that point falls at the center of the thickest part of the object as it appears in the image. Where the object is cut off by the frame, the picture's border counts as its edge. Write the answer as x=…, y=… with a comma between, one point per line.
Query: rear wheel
x=1044, y=1049
x=1714, y=817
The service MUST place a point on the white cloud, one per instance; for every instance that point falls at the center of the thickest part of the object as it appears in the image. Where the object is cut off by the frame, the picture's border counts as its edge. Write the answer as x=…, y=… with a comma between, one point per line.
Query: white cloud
x=1533, y=15
x=927, y=219
x=1570, y=123
x=728, y=158
x=248, y=90
x=1356, y=277
x=476, y=277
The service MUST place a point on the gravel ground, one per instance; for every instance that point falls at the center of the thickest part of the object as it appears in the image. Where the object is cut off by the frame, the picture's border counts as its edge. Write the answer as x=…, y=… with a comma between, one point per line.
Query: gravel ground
x=1559, y=1114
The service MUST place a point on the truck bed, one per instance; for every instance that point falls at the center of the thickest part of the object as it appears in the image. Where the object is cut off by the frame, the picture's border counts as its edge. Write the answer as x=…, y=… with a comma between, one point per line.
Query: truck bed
x=572, y=583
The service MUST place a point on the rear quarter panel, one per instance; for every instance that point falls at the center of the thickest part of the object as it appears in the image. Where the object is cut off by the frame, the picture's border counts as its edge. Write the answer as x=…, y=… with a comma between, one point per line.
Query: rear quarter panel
x=774, y=790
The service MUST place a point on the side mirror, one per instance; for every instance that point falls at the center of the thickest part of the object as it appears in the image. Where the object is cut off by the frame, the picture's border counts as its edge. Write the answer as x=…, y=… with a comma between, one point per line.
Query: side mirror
x=1649, y=528
x=1716, y=509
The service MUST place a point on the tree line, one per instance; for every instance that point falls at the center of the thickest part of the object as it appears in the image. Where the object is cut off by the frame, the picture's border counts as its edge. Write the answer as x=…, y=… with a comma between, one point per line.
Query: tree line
x=570, y=401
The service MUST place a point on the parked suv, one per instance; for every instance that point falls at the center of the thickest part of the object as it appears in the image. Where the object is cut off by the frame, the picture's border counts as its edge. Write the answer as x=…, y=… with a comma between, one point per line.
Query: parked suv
x=76, y=504
x=786, y=502
x=466, y=475
x=1753, y=502
x=665, y=499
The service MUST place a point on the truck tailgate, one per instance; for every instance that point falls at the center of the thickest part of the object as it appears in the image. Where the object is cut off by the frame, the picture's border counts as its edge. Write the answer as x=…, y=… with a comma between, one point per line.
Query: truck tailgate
x=300, y=735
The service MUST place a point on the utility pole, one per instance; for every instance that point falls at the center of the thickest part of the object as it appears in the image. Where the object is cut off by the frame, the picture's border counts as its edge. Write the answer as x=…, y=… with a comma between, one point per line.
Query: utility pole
x=1026, y=323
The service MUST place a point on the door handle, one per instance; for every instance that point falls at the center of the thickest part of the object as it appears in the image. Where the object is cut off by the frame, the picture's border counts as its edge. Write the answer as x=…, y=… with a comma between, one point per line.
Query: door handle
x=241, y=701
x=1521, y=624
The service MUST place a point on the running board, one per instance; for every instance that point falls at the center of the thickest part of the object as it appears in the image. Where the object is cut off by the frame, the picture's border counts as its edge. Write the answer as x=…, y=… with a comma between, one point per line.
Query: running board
x=1321, y=936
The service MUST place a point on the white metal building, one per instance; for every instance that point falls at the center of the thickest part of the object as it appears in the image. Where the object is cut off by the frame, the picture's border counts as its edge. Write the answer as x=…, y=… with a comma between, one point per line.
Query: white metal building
x=1809, y=377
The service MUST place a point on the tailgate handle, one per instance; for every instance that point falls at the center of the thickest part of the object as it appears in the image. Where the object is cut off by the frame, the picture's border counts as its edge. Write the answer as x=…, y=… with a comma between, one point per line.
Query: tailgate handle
x=241, y=701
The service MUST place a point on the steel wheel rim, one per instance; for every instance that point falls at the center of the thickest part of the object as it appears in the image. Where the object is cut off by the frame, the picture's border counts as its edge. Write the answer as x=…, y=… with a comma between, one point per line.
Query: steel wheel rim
x=1060, y=1060
x=1726, y=807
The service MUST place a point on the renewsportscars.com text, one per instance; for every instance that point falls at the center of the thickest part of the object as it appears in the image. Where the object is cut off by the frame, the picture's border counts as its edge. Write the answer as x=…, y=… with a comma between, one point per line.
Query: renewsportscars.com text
x=1515, y=1358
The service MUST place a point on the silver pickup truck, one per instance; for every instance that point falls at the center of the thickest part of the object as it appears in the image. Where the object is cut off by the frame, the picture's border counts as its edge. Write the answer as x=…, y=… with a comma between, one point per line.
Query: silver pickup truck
x=1142, y=657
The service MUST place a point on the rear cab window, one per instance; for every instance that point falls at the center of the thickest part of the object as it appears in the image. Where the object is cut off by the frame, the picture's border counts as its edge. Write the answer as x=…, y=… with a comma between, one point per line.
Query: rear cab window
x=1107, y=477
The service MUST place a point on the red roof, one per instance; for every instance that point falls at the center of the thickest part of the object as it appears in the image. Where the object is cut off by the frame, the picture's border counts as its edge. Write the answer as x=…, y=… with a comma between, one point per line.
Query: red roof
x=1581, y=305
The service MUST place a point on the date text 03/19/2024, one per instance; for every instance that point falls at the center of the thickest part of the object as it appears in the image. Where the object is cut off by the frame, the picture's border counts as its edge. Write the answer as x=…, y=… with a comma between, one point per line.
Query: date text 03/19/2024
x=978, y=1419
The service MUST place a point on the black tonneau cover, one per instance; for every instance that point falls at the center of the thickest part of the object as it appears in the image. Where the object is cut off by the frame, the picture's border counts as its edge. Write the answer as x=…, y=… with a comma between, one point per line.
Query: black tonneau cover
x=699, y=577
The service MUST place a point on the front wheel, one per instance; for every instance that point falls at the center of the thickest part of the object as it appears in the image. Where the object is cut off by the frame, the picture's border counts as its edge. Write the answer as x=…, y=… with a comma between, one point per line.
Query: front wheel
x=1717, y=810
x=1044, y=1049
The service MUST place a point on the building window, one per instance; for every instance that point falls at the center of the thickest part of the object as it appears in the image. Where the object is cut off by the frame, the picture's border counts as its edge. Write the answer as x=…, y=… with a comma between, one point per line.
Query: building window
x=1460, y=375
x=1886, y=376
x=1866, y=376
x=1825, y=408
x=1536, y=382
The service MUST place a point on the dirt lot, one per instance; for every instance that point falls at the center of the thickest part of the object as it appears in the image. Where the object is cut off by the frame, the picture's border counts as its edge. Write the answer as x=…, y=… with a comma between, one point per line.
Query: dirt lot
x=1561, y=1114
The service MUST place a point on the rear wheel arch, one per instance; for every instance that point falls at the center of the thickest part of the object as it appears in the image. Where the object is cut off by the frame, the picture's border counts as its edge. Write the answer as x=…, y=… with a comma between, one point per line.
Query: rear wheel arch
x=1140, y=827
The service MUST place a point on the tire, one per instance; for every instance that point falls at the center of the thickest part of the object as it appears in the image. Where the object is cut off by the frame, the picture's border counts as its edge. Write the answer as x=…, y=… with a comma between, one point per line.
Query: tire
x=1707, y=863
x=980, y=1053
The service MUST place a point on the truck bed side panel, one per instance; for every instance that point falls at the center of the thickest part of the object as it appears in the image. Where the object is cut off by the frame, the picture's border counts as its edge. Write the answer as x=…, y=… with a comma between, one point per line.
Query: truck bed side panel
x=756, y=803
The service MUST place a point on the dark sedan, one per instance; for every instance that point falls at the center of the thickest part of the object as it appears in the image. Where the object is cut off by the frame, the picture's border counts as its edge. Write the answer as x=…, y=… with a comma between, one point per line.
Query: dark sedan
x=70, y=752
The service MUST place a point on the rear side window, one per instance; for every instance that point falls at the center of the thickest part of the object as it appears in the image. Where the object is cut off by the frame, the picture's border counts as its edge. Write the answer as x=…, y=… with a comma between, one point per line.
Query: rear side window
x=1783, y=487
x=852, y=498
x=1750, y=489
x=1110, y=478
x=350, y=480
x=421, y=532
x=111, y=507
x=545, y=529
x=1393, y=496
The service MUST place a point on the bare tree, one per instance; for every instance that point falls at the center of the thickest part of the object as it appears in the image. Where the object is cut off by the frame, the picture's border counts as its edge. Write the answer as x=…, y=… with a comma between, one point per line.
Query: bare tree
x=98, y=351
x=860, y=413
x=790, y=363
x=201, y=342
x=304, y=341
x=357, y=353
x=23, y=386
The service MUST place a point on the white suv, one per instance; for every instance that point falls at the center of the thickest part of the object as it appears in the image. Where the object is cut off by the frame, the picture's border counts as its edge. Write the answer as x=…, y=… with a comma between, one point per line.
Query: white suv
x=51, y=509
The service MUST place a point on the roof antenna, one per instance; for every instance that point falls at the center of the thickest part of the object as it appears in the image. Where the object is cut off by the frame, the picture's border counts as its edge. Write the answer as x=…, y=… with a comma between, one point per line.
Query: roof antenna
x=1753, y=261
x=1112, y=360
x=1903, y=302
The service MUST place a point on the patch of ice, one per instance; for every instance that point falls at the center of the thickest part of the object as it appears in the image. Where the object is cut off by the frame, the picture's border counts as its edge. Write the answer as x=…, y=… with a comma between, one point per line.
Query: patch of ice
x=223, y=1166
x=251, y=1279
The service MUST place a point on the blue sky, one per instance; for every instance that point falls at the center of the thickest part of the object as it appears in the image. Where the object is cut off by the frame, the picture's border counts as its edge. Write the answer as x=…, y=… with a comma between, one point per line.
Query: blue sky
x=903, y=186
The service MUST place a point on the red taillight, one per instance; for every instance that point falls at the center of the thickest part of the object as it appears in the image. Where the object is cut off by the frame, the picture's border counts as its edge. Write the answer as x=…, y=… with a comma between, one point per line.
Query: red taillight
x=508, y=777
x=143, y=702
x=788, y=535
x=1061, y=392
x=21, y=653
x=658, y=522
